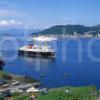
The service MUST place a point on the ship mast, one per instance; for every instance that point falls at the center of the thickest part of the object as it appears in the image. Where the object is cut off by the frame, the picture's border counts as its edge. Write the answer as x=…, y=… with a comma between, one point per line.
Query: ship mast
x=45, y=42
x=34, y=40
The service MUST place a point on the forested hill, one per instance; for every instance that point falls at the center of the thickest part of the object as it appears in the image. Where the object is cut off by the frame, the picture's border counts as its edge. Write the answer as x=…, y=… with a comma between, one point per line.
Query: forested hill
x=70, y=29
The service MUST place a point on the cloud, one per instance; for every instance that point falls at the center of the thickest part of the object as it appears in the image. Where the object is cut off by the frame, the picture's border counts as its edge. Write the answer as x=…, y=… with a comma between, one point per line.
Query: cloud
x=67, y=18
x=8, y=4
x=7, y=23
x=4, y=2
x=9, y=18
x=7, y=13
x=10, y=8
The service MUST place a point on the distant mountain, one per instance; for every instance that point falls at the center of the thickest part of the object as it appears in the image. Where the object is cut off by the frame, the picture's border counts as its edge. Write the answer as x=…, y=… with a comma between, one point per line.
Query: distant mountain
x=18, y=32
x=70, y=29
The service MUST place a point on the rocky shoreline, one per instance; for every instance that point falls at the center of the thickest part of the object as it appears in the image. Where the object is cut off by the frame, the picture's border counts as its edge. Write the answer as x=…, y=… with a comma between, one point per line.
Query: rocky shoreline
x=15, y=83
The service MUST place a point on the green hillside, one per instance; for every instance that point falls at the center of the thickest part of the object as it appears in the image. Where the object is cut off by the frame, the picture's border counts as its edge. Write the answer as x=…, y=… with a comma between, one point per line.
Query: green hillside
x=70, y=29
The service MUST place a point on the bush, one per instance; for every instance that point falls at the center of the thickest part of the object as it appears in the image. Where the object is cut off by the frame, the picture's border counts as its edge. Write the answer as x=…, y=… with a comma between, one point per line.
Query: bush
x=2, y=98
x=5, y=76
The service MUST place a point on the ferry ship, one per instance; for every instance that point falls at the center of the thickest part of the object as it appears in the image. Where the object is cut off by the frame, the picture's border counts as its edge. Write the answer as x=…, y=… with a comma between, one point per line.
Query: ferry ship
x=38, y=50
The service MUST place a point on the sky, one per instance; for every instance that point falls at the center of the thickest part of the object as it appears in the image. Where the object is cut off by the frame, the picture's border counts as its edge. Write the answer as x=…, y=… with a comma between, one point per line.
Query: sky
x=40, y=14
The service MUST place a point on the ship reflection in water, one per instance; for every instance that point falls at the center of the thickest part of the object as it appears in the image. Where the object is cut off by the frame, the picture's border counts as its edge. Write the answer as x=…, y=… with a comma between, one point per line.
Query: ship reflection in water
x=37, y=61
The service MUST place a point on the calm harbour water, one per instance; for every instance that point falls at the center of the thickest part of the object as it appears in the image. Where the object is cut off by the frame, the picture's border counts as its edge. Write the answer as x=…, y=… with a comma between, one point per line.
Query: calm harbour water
x=82, y=73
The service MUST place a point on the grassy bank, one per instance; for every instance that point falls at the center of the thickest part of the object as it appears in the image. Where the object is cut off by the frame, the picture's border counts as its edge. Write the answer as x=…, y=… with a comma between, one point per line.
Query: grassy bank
x=9, y=77
x=5, y=76
x=75, y=93
x=23, y=96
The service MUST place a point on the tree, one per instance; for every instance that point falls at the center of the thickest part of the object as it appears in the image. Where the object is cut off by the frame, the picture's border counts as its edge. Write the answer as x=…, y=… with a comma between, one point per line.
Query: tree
x=1, y=65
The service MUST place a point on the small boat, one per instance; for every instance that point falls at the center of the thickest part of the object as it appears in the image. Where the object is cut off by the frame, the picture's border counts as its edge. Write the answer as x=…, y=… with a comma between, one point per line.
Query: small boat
x=42, y=75
x=65, y=75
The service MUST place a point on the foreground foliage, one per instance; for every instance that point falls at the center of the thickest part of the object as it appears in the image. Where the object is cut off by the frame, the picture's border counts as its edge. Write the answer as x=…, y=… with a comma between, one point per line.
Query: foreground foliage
x=4, y=75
